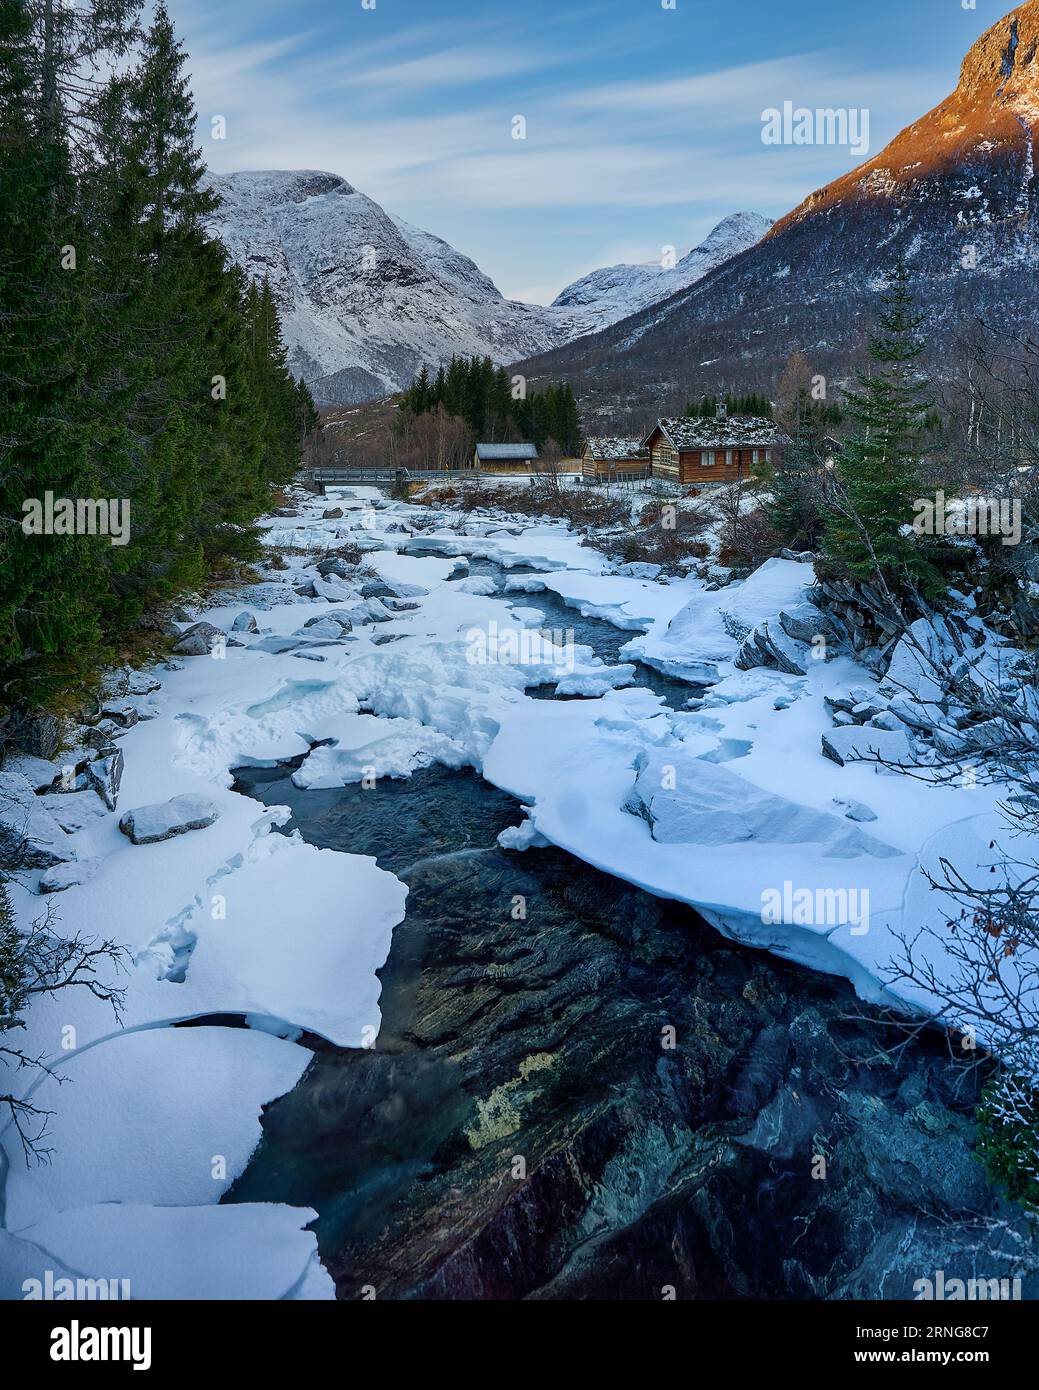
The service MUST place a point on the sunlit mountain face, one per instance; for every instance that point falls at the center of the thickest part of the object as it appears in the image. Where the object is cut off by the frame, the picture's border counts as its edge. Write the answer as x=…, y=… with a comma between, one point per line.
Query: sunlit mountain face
x=954, y=193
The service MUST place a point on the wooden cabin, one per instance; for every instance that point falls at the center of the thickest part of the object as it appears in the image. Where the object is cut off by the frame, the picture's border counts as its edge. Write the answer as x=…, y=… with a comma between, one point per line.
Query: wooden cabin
x=607, y=458
x=505, y=458
x=694, y=451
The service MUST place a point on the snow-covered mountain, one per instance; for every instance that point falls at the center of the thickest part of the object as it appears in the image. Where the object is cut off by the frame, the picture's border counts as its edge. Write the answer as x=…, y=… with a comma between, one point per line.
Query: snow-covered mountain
x=605, y=296
x=367, y=298
x=955, y=193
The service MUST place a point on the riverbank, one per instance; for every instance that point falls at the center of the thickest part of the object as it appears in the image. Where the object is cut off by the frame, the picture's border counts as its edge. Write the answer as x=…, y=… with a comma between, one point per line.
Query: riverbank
x=396, y=641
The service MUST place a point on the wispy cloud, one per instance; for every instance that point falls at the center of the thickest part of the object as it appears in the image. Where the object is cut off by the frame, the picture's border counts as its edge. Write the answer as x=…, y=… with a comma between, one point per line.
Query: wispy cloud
x=417, y=113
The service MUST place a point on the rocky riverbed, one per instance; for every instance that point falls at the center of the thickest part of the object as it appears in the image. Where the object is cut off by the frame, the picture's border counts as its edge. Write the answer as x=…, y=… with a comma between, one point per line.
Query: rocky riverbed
x=603, y=1099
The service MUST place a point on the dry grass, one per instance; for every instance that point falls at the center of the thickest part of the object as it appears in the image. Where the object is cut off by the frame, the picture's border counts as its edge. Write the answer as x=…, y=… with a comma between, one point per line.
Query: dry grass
x=584, y=507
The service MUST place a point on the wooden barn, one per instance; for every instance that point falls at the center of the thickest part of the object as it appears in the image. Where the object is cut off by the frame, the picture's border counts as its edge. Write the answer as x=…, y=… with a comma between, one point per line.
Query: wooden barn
x=721, y=450
x=505, y=458
x=614, y=458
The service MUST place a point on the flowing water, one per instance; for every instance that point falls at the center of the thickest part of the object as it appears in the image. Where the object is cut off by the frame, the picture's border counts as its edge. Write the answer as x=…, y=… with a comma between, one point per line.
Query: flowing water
x=583, y=1091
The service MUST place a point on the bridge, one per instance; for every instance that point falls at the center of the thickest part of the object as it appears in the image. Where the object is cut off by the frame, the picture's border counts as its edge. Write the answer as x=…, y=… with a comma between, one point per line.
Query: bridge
x=321, y=478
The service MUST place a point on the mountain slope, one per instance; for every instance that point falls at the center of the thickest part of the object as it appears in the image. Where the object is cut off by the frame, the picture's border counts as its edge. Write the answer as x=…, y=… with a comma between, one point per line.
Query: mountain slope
x=367, y=298
x=605, y=296
x=955, y=193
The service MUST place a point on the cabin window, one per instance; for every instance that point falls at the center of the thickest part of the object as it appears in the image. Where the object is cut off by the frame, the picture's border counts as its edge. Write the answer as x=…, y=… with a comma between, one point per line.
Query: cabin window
x=707, y=458
x=728, y=458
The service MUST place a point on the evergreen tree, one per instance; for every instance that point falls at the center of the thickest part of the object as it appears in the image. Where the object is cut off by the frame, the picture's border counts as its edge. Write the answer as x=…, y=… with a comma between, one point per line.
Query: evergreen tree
x=134, y=363
x=797, y=481
x=307, y=417
x=879, y=467
x=49, y=584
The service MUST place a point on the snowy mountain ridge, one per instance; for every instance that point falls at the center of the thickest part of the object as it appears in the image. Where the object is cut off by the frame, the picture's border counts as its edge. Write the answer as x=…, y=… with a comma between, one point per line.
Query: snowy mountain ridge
x=367, y=298
x=955, y=194
x=605, y=296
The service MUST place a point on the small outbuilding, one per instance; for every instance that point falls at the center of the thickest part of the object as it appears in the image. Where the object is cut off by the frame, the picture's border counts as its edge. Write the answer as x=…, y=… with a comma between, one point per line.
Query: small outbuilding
x=505, y=458
x=607, y=457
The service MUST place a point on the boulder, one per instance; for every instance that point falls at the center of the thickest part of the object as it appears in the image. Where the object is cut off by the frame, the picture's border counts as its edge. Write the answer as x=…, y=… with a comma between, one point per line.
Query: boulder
x=709, y=805
x=805, y=622
x=101, y=736
x=123, y=713
x=638, y=569
x=322, y=627
x=245, y=622
x=335, y=564
x=38, y=772
x=69, y=875
x=332, y=514
x=869, y=709
x=41, y=736
x=923, y=717
x=105, y=775
x=921, y=658
x=338, y=619
x=30, y=837
x=857, y=743
x=378, y=588
x=770, y=646
x=198, y=640
x=276, y=645
x=887, y=720
x=332, y=589
x=147, y=825
x=74, y=810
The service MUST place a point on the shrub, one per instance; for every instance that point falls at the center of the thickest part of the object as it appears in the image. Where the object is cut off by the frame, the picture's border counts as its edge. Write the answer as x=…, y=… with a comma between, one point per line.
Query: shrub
x=1008, y=1136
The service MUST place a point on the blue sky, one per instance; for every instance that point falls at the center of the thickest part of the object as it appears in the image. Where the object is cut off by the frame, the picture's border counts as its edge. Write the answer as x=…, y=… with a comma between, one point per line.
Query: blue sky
x=643, y=124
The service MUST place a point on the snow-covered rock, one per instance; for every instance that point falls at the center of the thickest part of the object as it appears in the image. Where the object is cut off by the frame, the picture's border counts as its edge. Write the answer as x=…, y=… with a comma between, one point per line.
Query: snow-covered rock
x=73, y=810
x=105, y=775
x=690, y=801
x=857, y=743
x=147, y=825
x=29, y=833
x=198, y=640
x=68, y=875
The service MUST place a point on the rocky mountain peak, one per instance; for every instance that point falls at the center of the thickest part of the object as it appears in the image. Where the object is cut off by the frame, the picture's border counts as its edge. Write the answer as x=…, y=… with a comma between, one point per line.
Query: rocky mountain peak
x=1004, y=62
